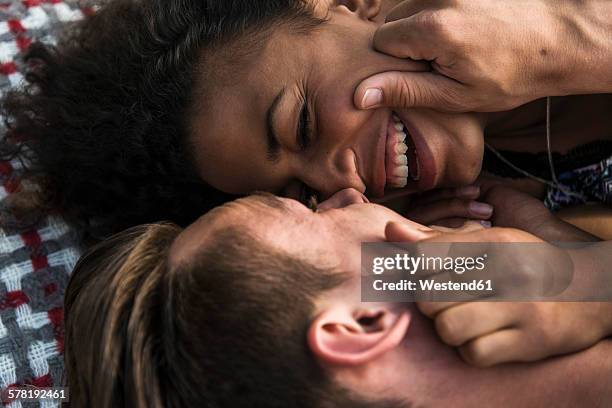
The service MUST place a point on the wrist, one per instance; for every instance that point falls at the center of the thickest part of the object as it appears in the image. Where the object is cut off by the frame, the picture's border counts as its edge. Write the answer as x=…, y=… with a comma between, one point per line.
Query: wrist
x=551, y=228
x=581, y=61
x=592, y=279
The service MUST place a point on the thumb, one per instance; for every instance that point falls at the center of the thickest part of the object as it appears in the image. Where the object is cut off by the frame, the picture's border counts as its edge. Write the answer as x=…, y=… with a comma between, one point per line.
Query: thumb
x=404, y=90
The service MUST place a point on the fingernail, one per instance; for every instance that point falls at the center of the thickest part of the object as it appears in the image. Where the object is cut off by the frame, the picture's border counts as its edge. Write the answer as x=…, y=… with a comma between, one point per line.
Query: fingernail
x=486, y=224
x=371, y=98
x=468, y=192
x=480, y=209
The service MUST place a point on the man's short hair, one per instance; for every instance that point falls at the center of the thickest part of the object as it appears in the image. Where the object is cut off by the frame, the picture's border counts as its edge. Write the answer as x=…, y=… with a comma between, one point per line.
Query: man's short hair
x=226, y=328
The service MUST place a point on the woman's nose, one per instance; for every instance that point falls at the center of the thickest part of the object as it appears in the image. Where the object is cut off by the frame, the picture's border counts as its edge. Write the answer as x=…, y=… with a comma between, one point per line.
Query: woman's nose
x=332, y=171
x=342, y=199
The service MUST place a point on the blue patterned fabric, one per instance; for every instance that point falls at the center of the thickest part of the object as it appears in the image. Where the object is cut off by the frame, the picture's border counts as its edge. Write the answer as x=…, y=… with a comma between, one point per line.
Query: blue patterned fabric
x=587, y=184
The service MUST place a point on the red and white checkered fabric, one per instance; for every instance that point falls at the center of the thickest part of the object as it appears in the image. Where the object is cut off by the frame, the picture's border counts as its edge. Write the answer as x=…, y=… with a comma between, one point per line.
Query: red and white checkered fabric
x=35, y=262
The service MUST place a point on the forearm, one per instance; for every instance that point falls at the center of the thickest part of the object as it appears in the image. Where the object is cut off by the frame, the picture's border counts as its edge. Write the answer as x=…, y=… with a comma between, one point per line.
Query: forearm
x=566, y=232
x=584, y=53
x=593, y=278
x=580, y=379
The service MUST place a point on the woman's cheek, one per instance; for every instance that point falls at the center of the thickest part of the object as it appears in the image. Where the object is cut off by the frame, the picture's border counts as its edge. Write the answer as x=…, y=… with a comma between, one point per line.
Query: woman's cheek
x=457, y=143
x=468, y=133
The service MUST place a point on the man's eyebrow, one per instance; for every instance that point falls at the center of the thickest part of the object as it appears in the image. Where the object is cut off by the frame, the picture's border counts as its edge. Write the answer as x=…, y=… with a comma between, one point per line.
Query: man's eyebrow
x=272, y=139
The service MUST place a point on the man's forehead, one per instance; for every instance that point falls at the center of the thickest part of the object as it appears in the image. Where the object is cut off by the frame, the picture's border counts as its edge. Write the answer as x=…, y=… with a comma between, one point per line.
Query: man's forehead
x=250, y=214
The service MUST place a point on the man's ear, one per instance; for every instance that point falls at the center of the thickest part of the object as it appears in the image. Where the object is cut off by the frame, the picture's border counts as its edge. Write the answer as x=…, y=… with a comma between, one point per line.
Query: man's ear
x=342, y=336
x=365, y=9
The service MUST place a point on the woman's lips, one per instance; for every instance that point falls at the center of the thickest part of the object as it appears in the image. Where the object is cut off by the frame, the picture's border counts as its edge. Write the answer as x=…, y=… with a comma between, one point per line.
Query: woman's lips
x=403, y=158
x=391, y=163
x=409, y=162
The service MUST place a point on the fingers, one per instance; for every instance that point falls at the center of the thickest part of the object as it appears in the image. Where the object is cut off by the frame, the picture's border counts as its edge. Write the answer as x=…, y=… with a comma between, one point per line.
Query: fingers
x=468, y=193
x=419, y=35
x=450, y=208
x=409, y=89
x=409, y=8
x=460, y=225
x=405, y=38
x=460, y=324
x=452, y=224
x=496, y=348
x=431, y=309
x=486, y=235
x=484, y=332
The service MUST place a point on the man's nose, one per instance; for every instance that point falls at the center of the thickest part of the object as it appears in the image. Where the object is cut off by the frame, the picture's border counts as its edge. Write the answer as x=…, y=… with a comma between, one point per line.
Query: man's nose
x=342, y=199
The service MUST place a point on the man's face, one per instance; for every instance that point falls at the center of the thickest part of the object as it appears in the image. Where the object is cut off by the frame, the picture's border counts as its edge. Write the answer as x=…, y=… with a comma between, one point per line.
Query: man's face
x=330, y=238
x=286, y=123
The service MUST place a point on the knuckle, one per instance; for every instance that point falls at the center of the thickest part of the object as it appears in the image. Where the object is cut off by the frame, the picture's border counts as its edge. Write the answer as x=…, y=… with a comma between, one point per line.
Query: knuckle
x=448, y=328
x=441, y=23
x=432, y=21
x=391, y=41
x=542, y=328
x=451, y=100
x=407, y=93
x=427, y=308
x=537, y=331
x=476, y=354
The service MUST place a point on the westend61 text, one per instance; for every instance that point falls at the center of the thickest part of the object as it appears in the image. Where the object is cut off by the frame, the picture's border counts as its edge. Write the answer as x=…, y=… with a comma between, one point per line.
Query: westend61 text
x=432, y=285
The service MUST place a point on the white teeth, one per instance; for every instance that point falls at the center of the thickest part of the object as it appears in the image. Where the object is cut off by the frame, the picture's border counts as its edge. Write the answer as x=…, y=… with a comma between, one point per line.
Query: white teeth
x=397, y=176
x=401, y=160
x=398, y=182
x=401, y=171
x=401, y=148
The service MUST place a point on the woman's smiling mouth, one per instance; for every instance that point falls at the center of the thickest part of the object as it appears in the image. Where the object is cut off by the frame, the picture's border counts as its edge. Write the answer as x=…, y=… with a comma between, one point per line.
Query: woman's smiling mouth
x=401, y=158
x=407, y=160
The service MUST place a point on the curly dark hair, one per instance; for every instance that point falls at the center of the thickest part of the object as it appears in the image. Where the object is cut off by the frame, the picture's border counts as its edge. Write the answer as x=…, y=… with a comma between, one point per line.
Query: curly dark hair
x=103, y=119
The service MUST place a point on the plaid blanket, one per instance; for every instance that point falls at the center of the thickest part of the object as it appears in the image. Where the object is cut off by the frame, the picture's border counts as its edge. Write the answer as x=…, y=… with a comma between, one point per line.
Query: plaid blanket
x=35, y=262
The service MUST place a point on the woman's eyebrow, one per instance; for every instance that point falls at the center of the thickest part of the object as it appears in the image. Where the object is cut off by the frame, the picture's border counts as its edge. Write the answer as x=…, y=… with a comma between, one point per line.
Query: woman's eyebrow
x=272, y=139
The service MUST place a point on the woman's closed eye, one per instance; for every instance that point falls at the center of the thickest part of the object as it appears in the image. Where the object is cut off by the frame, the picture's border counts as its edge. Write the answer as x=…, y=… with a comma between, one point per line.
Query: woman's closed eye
x=304, y=128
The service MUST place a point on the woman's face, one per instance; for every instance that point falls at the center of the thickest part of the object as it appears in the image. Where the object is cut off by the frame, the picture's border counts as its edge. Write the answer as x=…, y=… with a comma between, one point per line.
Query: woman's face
x=286, y=121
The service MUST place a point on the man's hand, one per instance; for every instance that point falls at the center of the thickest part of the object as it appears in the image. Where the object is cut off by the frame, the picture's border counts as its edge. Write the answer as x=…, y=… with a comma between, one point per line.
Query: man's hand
x=490, y=55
